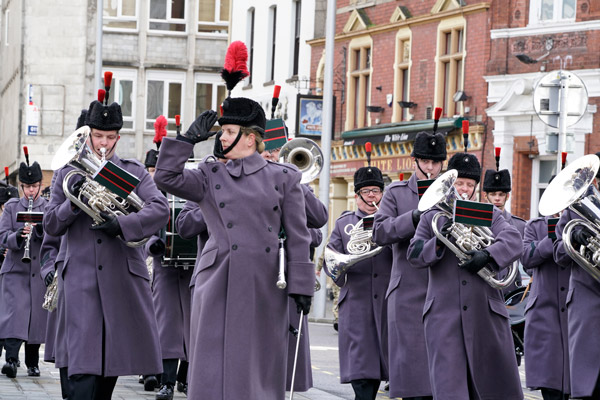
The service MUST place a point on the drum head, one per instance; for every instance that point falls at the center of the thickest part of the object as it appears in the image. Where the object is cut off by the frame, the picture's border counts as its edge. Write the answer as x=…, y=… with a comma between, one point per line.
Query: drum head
x=515, y=304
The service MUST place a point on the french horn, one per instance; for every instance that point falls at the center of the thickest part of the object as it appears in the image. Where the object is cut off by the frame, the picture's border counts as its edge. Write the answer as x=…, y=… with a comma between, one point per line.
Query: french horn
x=572, y=188
x=93, y=197
x=442, y=194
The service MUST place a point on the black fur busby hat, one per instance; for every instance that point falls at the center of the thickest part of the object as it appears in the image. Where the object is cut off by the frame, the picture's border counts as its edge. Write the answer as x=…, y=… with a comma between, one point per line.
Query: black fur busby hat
x=100, y=114
x=7, y=193
x=368, y=176
x=496, y=181
x=30, y=174
x=430, y=146
x=244, y=112
x=81, y=119
x=467, y=166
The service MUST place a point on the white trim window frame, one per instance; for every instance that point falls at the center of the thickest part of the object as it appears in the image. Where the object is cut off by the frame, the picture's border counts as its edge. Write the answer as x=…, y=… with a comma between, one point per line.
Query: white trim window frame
x=173, y=22
x=160, y=101
x=543, y=12
x=124, y=83
x=216, y=83
x=216, y=26
x=122, y=19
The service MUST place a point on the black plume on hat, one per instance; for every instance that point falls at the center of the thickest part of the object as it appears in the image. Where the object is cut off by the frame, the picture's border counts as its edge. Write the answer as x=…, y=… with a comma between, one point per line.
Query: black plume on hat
x=244, y=112
x=368, y=176
x=151, y=158
x=104, y=117
x=467, y=166
x=81, y=119
x=430, y=146
x=30, y=174
x=497, y=181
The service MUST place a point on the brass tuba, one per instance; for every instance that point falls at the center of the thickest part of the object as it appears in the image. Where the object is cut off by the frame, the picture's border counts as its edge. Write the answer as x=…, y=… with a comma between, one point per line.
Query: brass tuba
x=442, y=194
x=572, y=188
x=76, y=152
x=306, y=155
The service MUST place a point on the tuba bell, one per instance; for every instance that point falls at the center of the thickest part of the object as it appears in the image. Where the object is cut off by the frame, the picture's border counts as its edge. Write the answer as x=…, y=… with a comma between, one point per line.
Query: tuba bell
x=572, y=188
x=442, y=194
x=306, y=155
x=93, y=197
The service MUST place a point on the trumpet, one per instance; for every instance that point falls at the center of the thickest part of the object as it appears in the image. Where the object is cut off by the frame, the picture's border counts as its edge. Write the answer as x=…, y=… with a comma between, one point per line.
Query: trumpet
x=26, y=257
x=93, y=197
x=442, y=194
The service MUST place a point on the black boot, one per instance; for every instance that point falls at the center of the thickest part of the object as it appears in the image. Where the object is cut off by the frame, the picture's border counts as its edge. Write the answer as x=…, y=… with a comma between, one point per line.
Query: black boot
x=10, y=368
x=150, y=383
x=33, y=371
x=165, y=392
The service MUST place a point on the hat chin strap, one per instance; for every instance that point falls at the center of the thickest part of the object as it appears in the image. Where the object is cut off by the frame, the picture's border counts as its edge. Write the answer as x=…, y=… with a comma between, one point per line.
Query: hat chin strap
x=237, y=139
x=418, y=166
x=376, y=203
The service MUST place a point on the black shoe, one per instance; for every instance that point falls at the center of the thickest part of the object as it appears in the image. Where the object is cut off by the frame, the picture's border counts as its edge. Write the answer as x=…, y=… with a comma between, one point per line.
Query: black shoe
x=141, y=380
x=165, y=392
x=33, y=371
x=335, y=326
x=10, y=369
x=150, y=383
x=387, y=387
x=182, y=387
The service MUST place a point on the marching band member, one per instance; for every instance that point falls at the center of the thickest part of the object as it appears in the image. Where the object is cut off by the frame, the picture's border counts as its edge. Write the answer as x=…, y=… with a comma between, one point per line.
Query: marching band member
x=583, y=305
x=109, y=317
x=545, y=315
x=496, y=190
x=395, y=224
x=362, y=305
x=6, y=193
x=465, y=319
x=22, y=318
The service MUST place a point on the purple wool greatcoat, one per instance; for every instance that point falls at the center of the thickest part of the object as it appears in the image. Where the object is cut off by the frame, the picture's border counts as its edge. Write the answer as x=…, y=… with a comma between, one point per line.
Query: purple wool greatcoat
x=316, y=217
x=409, y=369
x=546, y=339
x=190, y=223
x=106, y=283
x=466, y=322
x=21, y=289
x=583, y=305
x=48, y=255
x=172, y=301
x=362, y=309
x=239, y=324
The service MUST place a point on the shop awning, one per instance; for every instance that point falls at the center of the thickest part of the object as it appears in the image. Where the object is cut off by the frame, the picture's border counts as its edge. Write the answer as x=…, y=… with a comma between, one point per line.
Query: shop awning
x=398, y=132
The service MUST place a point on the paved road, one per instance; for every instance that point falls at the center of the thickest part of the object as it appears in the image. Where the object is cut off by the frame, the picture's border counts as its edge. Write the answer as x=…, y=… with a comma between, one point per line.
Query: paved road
x=324, y=353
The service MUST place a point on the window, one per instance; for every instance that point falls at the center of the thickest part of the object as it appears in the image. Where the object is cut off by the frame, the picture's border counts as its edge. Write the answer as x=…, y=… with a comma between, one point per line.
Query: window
x=123, y=89
x=297, y=23
x=272, y=39
x=359, y=83
x=120, y=14
x=209, y=95
x=542, y=11
x=450, y=68
x=250, y=42
x=167, y=15
x=402, y=76
x=545, y=170
x=213, y=16
x=164, y=96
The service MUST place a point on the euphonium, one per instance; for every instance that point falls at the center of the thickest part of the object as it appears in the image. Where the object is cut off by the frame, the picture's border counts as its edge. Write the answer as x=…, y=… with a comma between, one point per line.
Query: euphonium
x=93, y=197
x=26, y=257
x=572, y=188
x=442, y=194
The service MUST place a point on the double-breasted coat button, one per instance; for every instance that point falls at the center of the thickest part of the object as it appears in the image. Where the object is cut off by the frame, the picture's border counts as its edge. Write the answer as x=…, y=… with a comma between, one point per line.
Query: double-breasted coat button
x=99, y=241
x=374, y=275
x=276, y=187
x=32, y=275
x=100, y=267
x=33, y=257
x=215, y=169
x=234, y=247
x=464, y=282
x=285, y=171
x=562, y=289
x=562, y=309
x=465, y=308
x=268, y=249
x=217, y=186
x=275, y=208
x=375, y=296
x=221, y=204
x=270, y=228
x=230, y=225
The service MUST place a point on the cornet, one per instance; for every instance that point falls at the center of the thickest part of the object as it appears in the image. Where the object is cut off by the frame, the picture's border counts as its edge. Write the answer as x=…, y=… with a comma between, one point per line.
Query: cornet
x=442, y=194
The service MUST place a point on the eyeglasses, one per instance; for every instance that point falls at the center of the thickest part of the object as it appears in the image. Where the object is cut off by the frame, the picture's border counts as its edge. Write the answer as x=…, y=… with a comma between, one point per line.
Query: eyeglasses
x=365, y=192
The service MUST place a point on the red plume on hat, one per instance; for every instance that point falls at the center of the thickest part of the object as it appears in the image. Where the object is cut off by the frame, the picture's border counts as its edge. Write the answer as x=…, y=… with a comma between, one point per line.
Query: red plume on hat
x=235, y=68
x=160, y=130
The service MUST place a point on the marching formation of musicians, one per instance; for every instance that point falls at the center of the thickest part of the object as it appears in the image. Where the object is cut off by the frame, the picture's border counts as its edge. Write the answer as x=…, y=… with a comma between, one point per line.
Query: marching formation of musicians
x=198, y=275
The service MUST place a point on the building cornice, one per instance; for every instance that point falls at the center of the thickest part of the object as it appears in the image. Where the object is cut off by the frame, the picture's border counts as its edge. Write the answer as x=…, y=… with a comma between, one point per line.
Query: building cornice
x=417, y=20
x=546, y=29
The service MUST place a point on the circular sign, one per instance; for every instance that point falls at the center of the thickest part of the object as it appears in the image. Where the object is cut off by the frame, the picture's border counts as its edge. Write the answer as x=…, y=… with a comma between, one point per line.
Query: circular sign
x=546, y=97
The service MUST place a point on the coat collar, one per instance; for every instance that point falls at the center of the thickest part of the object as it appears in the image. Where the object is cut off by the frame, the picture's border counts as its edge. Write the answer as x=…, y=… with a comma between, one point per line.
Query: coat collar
x=361, y=214
x=412, y=183
x=36, y=203
x=249, y=165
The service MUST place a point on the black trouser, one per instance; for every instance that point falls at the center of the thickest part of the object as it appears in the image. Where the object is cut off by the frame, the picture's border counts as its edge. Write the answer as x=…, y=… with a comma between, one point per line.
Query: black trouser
x=91, y=387
x=553, y=394
x=596, y=394
x=64, y=382
x=12, y=347
x=365, y=389
x=32, y=355
x=183, y=370
x=169, y=374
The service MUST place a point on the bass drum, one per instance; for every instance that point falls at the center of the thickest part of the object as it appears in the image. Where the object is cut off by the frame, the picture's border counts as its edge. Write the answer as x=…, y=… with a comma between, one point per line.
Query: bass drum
x=179, y=252
x=515, y=302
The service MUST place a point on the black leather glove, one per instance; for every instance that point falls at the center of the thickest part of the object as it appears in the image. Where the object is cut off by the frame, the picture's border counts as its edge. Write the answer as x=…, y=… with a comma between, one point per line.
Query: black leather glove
x=76, y=187
x=478, y=260
x=20, y=237
x=49, y=278
x=39, y=229
x=157, y=248
x=110, y=226
x=416, y=216
x=580, y=238
x=302, y=302
x=199, y=131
